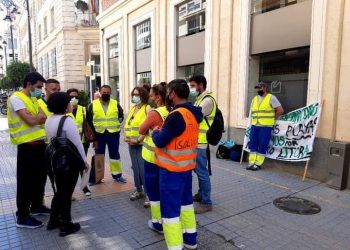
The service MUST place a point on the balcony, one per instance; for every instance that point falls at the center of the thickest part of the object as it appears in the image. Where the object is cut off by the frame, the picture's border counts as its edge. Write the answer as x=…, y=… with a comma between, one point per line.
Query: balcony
x=85, y=19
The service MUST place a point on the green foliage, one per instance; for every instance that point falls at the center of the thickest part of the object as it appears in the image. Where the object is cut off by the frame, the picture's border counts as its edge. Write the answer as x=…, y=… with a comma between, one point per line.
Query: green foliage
x=5, y=83
x=16, y=72
x=81, y=5
x=84, y=99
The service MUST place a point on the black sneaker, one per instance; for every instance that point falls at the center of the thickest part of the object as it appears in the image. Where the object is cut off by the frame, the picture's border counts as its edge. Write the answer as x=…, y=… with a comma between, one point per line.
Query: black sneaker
x=69, y=228
x=86, y=191
x=29, y=222
x=51, y=225
x=41, y=211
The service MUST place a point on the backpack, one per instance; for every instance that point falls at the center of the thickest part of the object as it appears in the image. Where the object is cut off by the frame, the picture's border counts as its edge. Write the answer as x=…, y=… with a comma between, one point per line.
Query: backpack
x=61, y=154
x=216, y=129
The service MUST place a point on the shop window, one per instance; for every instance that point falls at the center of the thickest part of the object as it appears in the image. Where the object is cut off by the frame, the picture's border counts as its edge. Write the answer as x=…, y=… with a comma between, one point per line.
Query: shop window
x=143, y=35
x=113, y=65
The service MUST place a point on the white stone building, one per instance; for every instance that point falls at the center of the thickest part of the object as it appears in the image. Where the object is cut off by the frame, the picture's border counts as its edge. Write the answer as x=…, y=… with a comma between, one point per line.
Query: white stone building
x=64, y=40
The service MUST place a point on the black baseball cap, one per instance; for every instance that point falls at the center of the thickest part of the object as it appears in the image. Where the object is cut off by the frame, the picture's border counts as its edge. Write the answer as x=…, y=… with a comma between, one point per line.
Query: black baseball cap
x=260, y=85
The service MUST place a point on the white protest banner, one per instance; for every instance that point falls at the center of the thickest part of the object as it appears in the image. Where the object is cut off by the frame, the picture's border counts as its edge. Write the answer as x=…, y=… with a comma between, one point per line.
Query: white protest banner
x=293, y=135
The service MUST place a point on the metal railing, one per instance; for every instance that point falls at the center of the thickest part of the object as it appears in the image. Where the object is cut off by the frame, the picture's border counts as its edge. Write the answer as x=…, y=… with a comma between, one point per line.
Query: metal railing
x=86, y=19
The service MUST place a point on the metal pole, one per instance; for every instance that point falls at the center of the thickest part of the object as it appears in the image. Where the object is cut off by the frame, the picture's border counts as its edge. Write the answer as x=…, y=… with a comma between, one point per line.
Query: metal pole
x=13, y=47
x=29, y=39
x=5, y=58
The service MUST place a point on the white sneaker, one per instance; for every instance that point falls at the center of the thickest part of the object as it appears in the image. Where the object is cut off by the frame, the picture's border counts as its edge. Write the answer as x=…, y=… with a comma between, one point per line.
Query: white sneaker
x=190, y=246
x=150, y=225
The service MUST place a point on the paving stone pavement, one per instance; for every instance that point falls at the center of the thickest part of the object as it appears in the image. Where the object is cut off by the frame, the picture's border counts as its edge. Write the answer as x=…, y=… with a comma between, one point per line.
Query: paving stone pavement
x=244, y=216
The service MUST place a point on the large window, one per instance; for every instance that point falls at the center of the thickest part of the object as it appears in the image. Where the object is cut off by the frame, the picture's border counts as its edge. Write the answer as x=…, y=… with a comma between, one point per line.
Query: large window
x=45, y=27
x=113, y=64
x=144, y=78
x=262, y=6
x=191, y=17
x=286, y=74
x=39, y=33
x=143, y=35
x=52, y=25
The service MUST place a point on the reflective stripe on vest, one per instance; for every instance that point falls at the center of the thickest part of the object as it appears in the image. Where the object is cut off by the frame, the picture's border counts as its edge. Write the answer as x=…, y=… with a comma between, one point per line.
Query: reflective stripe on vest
x=106, y=121
x=148, y=148
x=43, y=106
x=180, y=154
x=134, y=121
x=21, y=132
x=203, y=127
x=263, y=113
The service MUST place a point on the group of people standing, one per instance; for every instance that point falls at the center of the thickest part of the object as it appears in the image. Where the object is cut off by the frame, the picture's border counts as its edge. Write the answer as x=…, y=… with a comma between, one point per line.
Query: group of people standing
x=166, y=136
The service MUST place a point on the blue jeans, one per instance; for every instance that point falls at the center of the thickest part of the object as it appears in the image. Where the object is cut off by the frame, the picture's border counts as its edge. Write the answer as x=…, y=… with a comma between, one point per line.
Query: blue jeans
x=137, y=166
x=203, y=176
x=259, y=139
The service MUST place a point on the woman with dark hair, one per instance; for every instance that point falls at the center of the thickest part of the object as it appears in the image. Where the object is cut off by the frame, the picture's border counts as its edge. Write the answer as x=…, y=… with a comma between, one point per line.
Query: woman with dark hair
x=155, y=118
x=136, y=116
x=59, y=104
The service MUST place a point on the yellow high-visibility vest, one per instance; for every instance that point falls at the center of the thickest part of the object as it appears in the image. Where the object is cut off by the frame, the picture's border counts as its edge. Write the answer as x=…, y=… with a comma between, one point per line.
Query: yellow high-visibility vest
x=79, y=117
x=43, y=106
x=21, y=132
x=106, y=121
x=203, y=126
x=134, y=121
x=263, y=113
x=148, y=147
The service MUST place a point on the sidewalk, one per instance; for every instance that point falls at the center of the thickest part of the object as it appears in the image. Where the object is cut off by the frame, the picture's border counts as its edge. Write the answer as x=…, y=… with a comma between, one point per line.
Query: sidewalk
x=244, y=216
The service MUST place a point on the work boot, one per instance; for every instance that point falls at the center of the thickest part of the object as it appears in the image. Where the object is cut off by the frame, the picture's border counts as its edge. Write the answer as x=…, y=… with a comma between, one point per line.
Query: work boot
x=203, y=208
x=197, y=198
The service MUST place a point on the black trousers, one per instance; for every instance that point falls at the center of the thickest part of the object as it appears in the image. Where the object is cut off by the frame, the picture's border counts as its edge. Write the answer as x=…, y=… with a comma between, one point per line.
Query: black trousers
x=62, y=200
x=31, y=177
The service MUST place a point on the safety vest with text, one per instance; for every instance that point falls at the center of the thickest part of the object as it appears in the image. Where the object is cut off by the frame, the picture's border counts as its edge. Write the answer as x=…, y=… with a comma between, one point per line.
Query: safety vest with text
x=263, y=113
x=148, y=148
x=43, y=106
x=180, y=154
x=203, y=127
x=134, y=121
x=106, y=120
x=21, y=132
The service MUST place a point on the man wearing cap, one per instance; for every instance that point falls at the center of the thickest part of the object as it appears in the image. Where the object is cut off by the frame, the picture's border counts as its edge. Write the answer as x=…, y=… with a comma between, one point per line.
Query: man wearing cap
x=264, y=110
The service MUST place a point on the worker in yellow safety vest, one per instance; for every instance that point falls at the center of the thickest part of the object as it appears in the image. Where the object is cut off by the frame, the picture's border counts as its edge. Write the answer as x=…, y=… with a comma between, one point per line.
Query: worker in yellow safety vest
x=78, y=115
x=105, y=116
x=206, y=101
x=25, y=120
x=176, y=143
x=137, y=115
x=51, y=86
x=155, y=118
x=265, y=109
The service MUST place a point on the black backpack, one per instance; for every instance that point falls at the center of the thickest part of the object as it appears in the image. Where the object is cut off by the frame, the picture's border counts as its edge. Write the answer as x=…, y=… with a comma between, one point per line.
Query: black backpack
x=214, y=134
x=61, y=154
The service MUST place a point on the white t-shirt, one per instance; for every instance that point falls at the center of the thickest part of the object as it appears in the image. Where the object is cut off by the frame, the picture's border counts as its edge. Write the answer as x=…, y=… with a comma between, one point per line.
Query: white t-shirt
x=69, y=131
x=16, y=103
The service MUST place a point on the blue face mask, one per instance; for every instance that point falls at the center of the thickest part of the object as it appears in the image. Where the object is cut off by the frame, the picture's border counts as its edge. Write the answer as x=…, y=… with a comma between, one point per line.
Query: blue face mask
x=36, y=93
x=136, y=99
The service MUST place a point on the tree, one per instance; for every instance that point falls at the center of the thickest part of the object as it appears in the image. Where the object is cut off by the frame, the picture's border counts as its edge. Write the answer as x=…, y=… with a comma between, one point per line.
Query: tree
x=83, y=98
x=5, y=83
x=16, y=72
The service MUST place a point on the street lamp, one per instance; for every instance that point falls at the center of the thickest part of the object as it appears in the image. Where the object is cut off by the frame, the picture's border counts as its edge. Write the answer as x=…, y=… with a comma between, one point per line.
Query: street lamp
x=8, y=18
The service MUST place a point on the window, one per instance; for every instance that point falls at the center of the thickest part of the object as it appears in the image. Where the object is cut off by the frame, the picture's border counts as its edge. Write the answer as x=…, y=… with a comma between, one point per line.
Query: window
x=191, y=17
x=144, y=78
x=52, y=25
x=40, y=65
x=190, y=70
x=39, y=33
x=143, y=35
x=113, y=64
x=286, y=74
x=262, y=6
x=45, y=27
x=46, y=67
x=53, y=62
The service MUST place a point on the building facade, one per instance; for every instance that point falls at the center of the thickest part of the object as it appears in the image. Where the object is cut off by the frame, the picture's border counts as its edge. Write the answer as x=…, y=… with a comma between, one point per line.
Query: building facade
x=301, y=48
x=65, y=38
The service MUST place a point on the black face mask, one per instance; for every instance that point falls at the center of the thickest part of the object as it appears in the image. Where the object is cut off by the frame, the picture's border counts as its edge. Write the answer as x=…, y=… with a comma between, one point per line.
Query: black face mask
x=106, y=97
x=261, y=92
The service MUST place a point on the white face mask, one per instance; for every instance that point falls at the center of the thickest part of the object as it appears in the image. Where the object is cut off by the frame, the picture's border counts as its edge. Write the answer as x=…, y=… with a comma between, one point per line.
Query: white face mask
x=194, y=91
x=74, y=101
x=136, y=99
